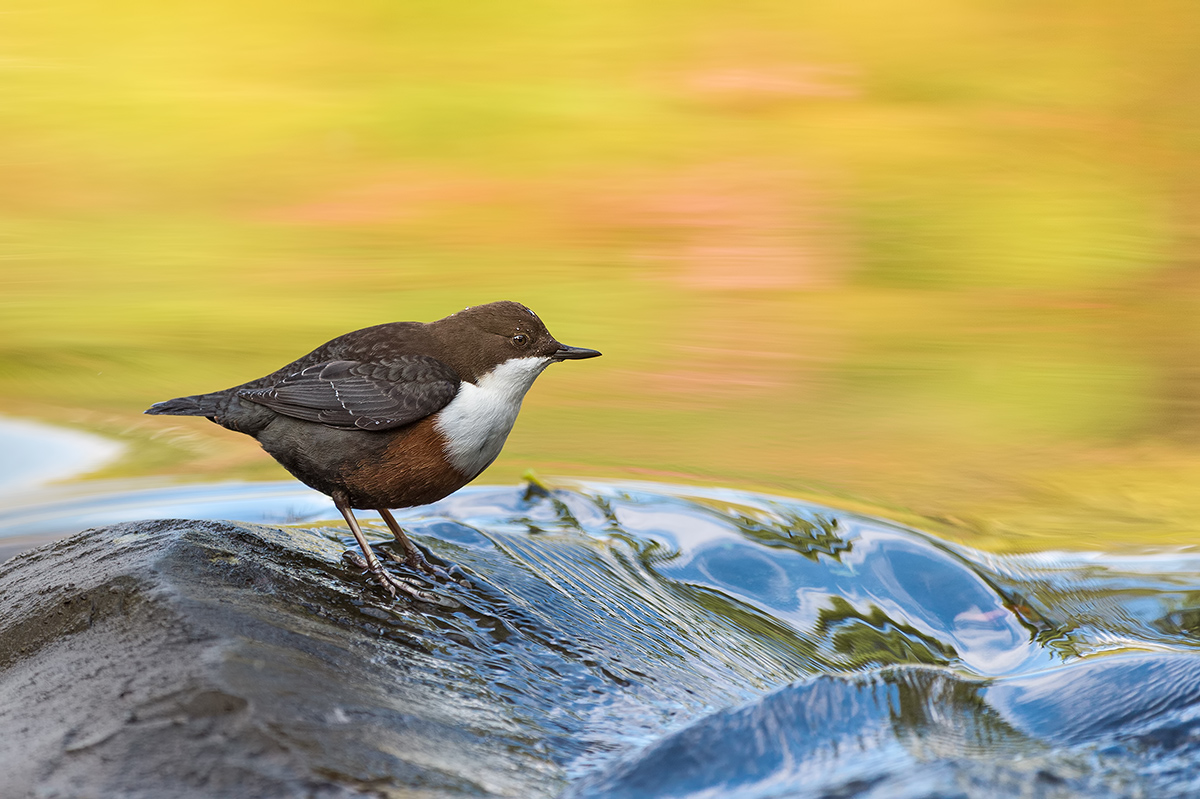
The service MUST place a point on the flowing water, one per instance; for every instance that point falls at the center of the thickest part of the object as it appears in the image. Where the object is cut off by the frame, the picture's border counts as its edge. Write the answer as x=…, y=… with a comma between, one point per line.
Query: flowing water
x=654, y=640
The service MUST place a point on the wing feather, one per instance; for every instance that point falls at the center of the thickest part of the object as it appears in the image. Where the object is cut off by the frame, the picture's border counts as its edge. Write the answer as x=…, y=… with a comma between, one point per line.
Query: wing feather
x=360, y=395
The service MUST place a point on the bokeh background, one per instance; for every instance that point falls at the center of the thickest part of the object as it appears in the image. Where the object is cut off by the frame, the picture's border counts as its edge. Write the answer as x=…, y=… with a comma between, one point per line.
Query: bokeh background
x=936, y=261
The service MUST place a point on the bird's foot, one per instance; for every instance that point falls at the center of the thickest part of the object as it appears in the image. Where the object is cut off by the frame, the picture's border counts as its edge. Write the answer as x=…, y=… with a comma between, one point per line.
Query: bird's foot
x=393, y=584
x=414, y=559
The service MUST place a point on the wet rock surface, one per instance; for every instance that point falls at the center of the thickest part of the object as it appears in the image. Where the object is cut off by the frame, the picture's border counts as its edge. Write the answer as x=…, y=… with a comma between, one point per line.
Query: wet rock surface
x=182, y=658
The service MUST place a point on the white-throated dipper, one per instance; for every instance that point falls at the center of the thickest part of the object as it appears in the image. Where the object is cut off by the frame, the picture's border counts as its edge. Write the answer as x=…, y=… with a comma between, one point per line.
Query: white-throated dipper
x=394, y=415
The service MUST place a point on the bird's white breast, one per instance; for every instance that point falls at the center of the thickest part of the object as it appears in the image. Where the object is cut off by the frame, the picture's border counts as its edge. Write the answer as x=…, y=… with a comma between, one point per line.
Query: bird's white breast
x=477, y=421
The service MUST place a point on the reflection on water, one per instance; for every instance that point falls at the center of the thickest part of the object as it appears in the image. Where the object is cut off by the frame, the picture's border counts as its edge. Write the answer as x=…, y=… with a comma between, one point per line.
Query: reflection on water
x=645, y=640
x=56, y=512
x=36, y=453
x=1116, y=727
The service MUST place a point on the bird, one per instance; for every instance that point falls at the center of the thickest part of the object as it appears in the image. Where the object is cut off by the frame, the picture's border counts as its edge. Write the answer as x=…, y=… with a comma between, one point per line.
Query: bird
x=395, y=415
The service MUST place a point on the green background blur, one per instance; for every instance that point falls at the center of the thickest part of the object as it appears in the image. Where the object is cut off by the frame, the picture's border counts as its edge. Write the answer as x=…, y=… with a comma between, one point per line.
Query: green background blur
x=935, y=260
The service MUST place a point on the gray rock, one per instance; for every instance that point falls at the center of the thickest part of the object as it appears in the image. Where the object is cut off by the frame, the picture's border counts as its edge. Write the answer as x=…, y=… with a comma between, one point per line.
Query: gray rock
x=213, y=659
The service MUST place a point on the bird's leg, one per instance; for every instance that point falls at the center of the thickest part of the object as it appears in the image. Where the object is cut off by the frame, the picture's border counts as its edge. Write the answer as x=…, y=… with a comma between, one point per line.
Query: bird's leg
x=413, y=557
x=370, y=563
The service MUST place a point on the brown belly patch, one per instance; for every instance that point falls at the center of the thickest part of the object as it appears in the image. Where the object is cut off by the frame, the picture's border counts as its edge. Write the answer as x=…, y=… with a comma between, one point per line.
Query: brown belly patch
x=410, y=470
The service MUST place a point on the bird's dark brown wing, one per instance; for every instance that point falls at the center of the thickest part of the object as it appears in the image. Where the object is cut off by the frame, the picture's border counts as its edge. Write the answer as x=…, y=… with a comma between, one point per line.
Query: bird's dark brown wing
x=364, y=396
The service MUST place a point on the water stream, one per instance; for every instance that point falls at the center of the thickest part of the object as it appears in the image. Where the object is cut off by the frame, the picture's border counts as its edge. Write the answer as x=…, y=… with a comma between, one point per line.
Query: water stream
x=657, y=640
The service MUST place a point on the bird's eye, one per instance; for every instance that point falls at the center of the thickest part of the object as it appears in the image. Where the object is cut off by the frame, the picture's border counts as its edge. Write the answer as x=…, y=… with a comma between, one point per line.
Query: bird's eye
x=520, y=339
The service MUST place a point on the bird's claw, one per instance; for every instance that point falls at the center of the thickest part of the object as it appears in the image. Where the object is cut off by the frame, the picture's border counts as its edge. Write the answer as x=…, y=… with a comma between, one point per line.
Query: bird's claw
x=419, y=562
x=391, y=583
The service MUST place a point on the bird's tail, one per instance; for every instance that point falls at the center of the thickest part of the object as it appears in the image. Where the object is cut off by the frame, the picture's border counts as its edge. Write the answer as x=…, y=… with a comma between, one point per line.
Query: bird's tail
x=195, y=405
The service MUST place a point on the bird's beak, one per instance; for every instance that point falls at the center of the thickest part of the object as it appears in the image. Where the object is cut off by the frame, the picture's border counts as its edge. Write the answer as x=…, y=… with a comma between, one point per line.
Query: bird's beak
x=565, y=353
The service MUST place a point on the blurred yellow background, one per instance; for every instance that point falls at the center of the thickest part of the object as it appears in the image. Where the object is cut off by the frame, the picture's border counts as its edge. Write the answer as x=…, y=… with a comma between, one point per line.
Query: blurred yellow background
x=933, y=260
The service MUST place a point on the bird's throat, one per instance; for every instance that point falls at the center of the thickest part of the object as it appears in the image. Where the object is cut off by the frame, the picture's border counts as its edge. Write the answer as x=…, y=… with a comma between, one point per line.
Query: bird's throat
x=477, y=421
